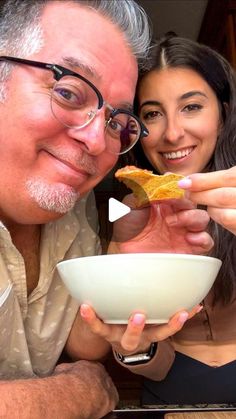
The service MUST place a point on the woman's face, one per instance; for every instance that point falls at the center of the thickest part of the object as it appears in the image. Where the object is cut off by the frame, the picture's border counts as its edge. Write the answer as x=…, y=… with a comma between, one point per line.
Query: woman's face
x=182, y=115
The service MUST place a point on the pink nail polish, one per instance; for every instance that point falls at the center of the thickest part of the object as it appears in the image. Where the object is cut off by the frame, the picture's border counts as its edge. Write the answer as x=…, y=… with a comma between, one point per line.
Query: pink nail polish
x=183, y=317
x=138, y=319
x=185, y=183
x=84, y=310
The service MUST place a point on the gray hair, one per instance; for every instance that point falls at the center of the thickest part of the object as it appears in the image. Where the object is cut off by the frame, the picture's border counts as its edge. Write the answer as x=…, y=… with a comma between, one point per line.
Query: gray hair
x=21, y=33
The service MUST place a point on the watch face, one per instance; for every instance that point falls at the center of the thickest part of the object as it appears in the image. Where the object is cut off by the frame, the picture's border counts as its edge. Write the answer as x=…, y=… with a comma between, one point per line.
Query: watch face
x=137, y=358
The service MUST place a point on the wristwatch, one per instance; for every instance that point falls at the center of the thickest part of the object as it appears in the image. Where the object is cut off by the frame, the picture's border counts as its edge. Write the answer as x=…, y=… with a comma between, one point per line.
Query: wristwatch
x=137, y=359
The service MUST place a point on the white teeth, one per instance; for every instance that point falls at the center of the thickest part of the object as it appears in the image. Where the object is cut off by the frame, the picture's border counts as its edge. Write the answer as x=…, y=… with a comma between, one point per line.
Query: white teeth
x=178, y=154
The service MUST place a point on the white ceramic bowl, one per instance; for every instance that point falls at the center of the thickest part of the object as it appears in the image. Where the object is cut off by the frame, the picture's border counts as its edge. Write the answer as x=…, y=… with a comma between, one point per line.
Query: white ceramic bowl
x=158, y=284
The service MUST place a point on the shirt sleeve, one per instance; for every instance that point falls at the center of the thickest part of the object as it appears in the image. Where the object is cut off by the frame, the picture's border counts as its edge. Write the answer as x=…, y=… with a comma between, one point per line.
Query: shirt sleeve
x=160, y=364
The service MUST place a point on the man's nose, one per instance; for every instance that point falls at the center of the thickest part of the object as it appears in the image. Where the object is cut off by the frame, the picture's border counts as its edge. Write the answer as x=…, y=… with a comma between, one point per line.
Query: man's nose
x=174, y=129
x=92, y=136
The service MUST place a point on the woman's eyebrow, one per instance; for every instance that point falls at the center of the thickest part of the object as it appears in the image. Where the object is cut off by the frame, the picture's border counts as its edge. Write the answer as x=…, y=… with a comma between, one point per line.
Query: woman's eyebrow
x=184, y=96
x=150, y=102
x=192, y=93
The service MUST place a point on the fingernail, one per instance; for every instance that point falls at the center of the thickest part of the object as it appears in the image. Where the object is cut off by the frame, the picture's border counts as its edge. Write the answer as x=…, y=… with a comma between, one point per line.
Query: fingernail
x=138, y=319
x=185, y=183
x=183, y=317
x=84, y=310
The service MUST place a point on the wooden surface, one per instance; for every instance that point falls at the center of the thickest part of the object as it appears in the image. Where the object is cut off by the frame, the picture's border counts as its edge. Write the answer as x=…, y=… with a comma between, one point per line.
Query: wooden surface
x=201, y=415
x=157, y=414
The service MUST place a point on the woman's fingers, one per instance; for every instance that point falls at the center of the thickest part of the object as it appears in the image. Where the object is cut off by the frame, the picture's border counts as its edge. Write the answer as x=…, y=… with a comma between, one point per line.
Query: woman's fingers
x=156, y=333
x=216, y=190
x=163, y=331
x=136, y=336
x=132, y=335
x=226, y=217
x=95, y=324
x=212, y=180
x=223, y=197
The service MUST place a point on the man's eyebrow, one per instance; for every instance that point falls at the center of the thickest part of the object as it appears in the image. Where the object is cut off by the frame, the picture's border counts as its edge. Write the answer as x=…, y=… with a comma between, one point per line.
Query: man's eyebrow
x=77, y=64
x=192, y=93
x=126, y=105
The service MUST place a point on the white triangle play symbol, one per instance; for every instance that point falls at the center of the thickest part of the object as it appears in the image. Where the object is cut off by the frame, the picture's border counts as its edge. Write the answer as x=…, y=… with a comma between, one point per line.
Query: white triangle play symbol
x=116, y=209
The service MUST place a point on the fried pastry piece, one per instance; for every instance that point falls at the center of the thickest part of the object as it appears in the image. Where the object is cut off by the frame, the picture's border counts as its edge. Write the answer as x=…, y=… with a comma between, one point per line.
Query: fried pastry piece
x=148, y=187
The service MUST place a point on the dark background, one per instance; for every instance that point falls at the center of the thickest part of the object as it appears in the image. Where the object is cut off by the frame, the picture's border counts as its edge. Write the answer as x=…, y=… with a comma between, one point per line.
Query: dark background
x=212, y=22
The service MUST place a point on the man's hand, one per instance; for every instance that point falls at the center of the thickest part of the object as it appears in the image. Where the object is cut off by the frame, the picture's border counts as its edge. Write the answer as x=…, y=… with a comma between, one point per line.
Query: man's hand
x=216, y=190
x=96, y=385
x=76, y=390
x=173, y=226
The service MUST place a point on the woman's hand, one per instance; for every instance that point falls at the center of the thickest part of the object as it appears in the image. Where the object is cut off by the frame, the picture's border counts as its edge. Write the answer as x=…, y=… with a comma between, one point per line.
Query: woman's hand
x=216, y=190
x=134, y=337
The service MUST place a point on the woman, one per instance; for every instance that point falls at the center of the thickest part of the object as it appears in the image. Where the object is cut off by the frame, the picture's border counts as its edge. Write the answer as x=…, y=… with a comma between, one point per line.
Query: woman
x=188, y=103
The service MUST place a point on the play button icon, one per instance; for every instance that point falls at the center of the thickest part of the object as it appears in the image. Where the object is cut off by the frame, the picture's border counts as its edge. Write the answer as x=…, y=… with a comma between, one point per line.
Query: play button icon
x=116, y=210
x=106, y=210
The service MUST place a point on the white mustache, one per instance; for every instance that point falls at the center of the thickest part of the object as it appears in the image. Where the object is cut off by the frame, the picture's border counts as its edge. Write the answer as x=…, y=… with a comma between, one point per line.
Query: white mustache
x=78, y=159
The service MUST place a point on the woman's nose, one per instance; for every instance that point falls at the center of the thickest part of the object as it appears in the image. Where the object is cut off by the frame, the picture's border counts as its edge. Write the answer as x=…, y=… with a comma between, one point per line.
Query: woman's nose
x=174, y=130
x=92, y=136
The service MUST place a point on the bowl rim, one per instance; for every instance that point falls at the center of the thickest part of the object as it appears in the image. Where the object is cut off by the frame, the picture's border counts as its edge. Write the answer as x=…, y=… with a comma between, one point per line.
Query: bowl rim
x=148, y=255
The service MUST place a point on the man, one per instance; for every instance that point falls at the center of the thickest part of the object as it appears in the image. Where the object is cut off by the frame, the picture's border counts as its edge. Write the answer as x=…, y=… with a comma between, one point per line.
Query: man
x=68, y=76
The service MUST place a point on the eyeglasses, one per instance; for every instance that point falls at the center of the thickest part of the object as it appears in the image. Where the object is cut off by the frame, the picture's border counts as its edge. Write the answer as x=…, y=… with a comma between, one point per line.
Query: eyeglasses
x=75, y=102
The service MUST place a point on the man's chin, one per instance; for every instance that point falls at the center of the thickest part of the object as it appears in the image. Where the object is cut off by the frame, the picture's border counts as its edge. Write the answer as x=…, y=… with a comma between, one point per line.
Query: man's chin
x=55, y=198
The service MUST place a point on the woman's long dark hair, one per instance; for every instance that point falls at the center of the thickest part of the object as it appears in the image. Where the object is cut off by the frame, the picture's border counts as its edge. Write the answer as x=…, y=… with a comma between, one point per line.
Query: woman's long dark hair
x=173, y=51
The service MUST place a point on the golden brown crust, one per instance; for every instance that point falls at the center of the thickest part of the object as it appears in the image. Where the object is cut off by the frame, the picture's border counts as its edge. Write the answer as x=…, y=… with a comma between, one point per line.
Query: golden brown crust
x=148, y=187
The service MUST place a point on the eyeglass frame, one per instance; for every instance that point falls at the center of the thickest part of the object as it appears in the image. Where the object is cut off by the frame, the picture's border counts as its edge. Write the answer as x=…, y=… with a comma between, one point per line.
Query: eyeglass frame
x=59, y=72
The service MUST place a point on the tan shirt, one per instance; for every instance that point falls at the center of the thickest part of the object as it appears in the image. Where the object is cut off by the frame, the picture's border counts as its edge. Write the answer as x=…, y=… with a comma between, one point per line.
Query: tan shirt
x=34, y=329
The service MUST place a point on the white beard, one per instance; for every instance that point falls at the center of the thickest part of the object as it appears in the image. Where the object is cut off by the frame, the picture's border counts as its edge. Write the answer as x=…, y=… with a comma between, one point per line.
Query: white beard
x=57, y=197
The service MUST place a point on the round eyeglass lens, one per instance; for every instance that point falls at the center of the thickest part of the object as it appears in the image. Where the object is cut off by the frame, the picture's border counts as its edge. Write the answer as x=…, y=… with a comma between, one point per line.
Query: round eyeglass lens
x=73, y=102
x=122, y=132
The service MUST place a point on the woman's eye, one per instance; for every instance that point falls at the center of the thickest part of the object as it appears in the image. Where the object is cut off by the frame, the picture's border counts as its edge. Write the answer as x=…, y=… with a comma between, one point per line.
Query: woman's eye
x=192, y=107
x=150, y=115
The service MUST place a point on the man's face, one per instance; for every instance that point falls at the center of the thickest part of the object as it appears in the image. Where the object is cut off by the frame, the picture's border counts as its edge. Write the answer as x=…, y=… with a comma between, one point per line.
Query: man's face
x=45, y=166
